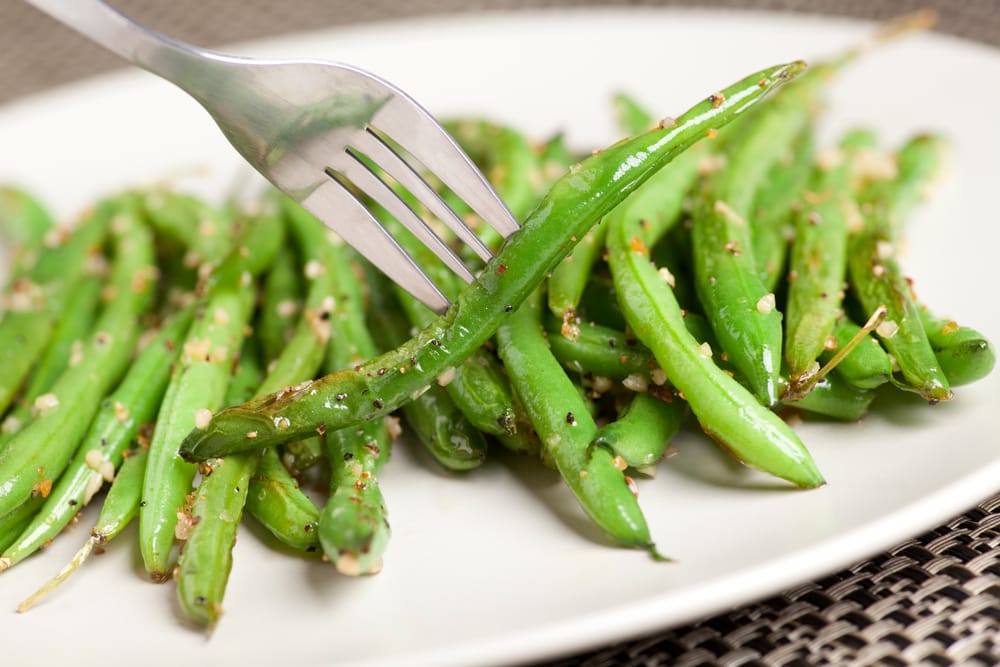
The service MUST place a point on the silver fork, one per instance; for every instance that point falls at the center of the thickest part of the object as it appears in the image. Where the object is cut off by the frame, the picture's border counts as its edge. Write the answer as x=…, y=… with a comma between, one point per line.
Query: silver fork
x=310, y=127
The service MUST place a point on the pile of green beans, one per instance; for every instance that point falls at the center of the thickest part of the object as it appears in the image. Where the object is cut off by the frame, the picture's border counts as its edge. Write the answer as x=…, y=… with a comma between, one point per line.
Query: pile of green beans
x=208, y=365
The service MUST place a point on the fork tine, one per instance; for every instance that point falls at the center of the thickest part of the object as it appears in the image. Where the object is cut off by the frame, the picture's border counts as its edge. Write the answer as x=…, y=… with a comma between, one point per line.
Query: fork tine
x=340, y=210
x=372, y=146
x=361, y=176
x=412, y=127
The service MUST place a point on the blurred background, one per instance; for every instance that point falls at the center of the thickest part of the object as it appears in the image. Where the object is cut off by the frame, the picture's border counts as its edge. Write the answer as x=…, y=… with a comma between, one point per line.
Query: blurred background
x=37, y=53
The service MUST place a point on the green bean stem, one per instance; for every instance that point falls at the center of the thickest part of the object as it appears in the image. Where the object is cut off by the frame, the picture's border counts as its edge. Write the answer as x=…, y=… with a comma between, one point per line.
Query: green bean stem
x=119, y=508
x=866, y=366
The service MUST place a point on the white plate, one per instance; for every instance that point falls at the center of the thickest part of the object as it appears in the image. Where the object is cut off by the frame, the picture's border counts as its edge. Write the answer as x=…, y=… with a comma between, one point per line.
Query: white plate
x=499, y=566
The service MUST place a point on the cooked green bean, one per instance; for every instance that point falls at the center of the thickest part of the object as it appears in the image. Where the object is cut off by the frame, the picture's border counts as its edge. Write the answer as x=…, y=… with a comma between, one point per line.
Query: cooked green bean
x=25, y=223
x=69, y=333
x=198, y=385
x=632, y=117
x=571, y=208
x=774, y=207
x=122, y=414
x=14, y=524
x=600, y=350
x=877, y=280
x=643, y=429
x=203, y=230
x=741, y=309
x=832, y=396
x=567, y=430
x=206, y=556
x=35, y=457
x=119, y=508
x=353, y=529
x=37, y=298
x=277, y=502
x=817, y=267
x=965, y=355
x=723, y=407
x=281, y=304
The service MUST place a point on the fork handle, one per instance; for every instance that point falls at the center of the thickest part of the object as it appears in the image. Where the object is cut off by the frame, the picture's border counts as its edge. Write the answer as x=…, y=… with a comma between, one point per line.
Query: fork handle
x=137, y=44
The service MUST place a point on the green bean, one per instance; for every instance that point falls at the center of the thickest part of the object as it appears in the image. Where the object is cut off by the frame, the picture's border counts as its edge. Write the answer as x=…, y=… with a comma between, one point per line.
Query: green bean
x=599, y=303
x=866, y=366
x=122, y=415
x=724, y=408
x=444, y=431
x=278, y=504
x=642, y=430
x=567, y=430
x=741, y=309
x=817, y=268
x=573, y=205
x=832, y=396
x=477, y=385
x=353, y=529
x=301, y=455
x=281, y=304
x=14, y=523
x=918, y=163
x=774, y=206
x=632, y=117
x=201, y=229
x=37, y=455
x=198, y=385
x=38, y=297
x=965, y=355
x=877, y=280
x=24, y=222
x=508, y=160
x=120, y=507
x=600, y=350
x=569, y=278
x=439, y=425
x=206, y=557
x=69, y=332
x=658, y=205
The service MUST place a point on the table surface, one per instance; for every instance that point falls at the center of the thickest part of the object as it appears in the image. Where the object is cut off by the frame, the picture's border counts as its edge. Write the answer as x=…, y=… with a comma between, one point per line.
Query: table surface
x=934, y=599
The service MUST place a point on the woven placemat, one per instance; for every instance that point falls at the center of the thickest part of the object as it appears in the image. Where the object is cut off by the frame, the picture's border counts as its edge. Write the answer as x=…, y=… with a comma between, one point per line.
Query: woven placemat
x=933, y=600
